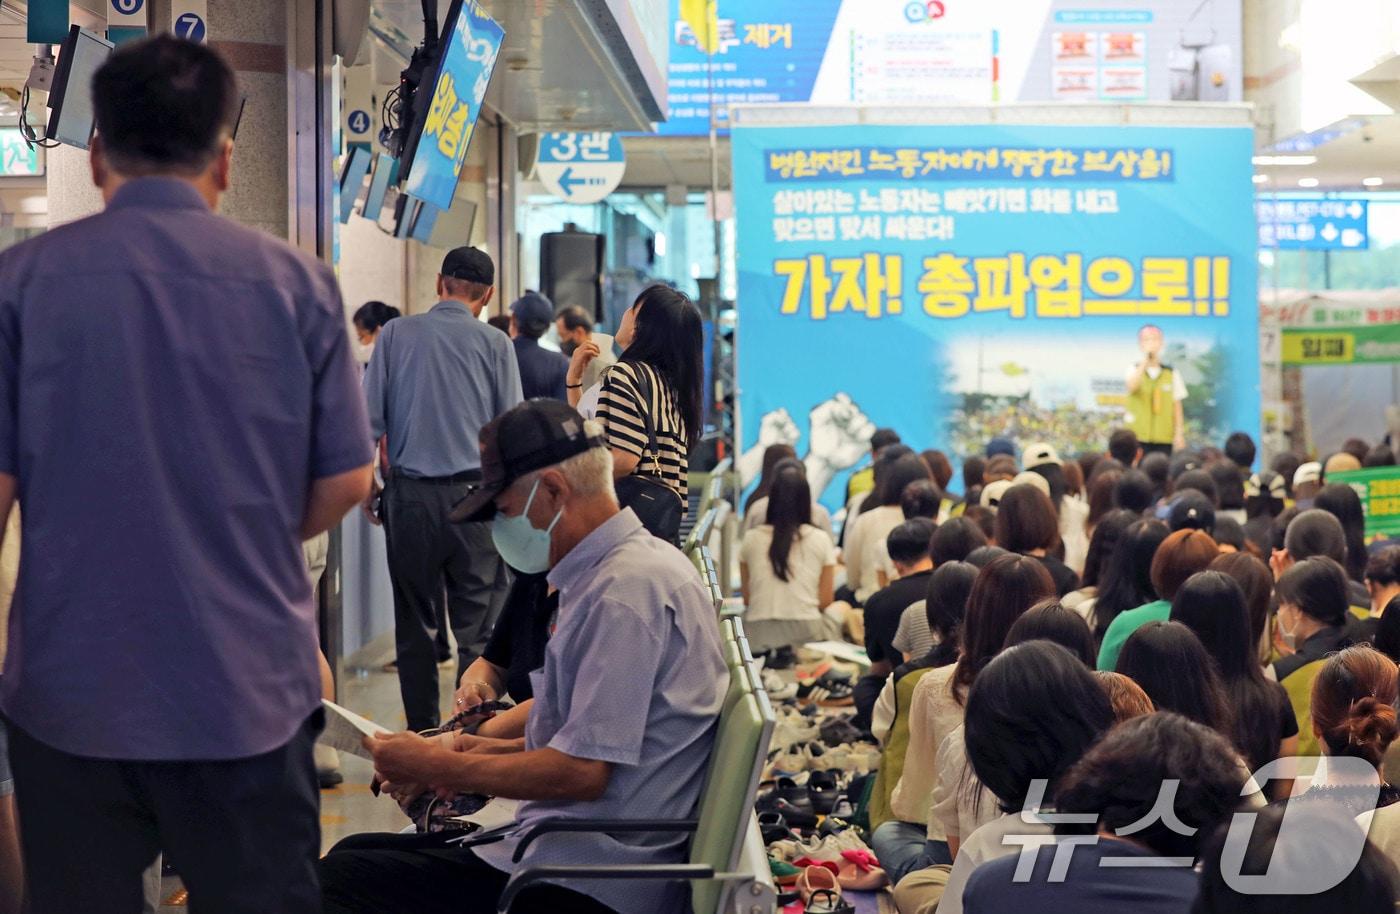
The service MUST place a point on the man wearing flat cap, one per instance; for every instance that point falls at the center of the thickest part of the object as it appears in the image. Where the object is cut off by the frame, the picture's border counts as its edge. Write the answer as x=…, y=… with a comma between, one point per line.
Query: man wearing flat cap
x=435, y=380
x=622, y=720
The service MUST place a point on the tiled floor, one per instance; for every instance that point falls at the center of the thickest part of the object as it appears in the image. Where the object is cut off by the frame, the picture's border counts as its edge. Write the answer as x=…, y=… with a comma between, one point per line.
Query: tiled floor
x=350, y=808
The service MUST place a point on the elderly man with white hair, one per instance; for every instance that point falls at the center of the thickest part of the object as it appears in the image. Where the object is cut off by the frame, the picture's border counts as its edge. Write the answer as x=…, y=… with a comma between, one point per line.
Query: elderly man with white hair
x=622, y=721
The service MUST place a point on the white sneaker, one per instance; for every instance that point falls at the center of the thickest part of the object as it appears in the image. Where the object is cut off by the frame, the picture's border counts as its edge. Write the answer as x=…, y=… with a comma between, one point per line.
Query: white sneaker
x=789, y=733
x=828, y=848
x=778, y=688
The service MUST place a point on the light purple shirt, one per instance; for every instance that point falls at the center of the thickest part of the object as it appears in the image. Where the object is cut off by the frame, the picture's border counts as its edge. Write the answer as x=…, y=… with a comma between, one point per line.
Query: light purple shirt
x=170, y=384
x=634, y=676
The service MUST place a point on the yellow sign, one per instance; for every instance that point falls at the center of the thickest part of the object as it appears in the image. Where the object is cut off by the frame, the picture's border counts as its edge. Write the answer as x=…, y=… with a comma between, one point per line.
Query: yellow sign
x=1318, y=348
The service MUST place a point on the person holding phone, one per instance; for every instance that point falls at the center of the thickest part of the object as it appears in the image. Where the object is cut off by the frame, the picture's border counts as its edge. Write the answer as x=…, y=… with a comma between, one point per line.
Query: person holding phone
x=1155, y=396
x=590, y=354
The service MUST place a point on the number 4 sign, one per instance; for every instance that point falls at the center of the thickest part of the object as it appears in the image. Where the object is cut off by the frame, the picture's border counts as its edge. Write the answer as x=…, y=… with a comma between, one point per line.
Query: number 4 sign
x=189, y=19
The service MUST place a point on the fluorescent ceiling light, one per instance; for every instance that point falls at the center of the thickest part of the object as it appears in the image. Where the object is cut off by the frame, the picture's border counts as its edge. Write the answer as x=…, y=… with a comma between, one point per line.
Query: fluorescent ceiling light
x=1373, y=182
x=1261, y=179
x=1307, y=182
x=1285, y=160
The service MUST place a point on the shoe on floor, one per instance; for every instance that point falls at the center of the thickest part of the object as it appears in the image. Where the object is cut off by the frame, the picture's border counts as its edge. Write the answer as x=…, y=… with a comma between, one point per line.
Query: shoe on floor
x=828, y=901
x=327, y=762
x=823, y=788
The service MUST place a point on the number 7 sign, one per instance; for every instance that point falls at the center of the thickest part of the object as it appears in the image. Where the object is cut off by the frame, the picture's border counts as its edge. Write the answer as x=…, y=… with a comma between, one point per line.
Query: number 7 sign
x=189, y=19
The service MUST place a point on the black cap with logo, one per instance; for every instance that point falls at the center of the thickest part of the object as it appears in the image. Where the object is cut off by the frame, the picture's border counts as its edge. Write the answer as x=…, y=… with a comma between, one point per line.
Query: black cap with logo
x=532, y=436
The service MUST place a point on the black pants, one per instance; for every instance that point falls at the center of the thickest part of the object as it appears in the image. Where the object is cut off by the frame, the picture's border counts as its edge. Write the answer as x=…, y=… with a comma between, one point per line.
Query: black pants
x=1151, y=448
x=421, y=874
x=244, y=834
x=430, y=556
x=866, y=693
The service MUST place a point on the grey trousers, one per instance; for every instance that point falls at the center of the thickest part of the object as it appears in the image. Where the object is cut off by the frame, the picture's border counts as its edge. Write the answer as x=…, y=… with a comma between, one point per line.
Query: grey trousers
x=429, y=557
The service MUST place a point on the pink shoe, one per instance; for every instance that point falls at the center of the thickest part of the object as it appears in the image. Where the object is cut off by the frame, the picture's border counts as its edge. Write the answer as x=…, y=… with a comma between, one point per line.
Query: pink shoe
x=860, y=872
x=816, y=878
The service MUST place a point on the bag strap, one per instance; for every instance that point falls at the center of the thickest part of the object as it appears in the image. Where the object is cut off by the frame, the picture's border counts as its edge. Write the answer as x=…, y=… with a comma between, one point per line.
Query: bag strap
x=644, y=388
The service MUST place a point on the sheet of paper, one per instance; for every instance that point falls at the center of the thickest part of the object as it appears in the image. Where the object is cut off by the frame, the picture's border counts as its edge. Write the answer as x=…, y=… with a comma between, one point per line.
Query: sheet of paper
x=345, y=729
x=498, y=812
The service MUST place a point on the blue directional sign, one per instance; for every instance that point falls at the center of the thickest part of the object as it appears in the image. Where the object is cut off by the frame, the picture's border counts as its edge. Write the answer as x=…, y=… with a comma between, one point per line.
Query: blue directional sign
x=358, y=122
x=1314, y=224
x=580, y=167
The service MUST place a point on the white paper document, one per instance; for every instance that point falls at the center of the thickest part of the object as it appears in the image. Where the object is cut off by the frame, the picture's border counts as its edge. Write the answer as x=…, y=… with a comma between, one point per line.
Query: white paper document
x=345, y=730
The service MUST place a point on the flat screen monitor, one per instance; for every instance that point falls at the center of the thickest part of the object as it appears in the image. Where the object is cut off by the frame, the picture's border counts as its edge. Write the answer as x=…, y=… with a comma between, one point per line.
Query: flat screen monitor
x=448, y=102
x=384, y=168
x=352, y=176
x=72, y=118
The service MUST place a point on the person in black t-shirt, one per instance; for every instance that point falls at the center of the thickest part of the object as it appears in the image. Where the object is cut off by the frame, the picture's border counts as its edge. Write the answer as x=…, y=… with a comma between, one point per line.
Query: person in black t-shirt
x=908, y=546
x=516, y=648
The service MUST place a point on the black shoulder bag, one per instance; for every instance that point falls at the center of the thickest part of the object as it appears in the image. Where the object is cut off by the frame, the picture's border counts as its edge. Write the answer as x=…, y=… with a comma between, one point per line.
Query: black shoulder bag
x=656, y=504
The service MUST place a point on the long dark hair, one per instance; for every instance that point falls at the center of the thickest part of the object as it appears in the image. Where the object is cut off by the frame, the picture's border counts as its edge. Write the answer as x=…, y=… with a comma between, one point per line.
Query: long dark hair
x=1173, y=668
x=669, y=338
x=1004, y=590
x=1031, y=714
x=789, y=507
x=946, y=606
x=1110, y=530
x=1342, y=502
x=899, y=474
x=773, y=455
x=1125, y=581
x=1212, y=604
x=1048, y=620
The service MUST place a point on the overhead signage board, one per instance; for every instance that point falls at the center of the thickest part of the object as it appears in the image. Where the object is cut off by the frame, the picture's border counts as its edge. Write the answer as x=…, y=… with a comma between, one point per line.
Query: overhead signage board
x=1379, y=489
x=468, y=59
x=1335, y=224
x=580, y=167
x=935, y=52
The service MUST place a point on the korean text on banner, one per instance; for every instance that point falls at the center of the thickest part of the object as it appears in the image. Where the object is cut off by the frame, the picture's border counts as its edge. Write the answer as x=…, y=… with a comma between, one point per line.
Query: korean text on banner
x=468, y=58
x=962, y=282
x=1379, y=489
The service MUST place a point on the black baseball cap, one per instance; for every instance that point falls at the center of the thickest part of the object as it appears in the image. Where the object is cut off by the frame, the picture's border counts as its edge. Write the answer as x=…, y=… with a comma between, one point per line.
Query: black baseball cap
x=1191, y=510
x=471, y=265
x=534, y=435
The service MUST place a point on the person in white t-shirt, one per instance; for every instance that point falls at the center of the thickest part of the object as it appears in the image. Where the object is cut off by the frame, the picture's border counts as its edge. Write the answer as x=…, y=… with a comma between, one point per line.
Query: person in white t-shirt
x=787, y=567
x=868, y=565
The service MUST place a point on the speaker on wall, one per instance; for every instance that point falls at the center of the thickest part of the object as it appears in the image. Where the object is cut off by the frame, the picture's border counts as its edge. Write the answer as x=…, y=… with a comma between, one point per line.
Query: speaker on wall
x=571, y=270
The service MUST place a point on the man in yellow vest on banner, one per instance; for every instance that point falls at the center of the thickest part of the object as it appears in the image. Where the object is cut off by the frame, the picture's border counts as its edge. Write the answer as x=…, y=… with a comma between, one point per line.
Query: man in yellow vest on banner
x=1155, y=395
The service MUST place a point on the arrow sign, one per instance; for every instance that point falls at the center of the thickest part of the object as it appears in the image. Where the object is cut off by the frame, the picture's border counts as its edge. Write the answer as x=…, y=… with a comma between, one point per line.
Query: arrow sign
x=1351, y=238
x=568, y=181
x=1329, y=232
x=1356, y=210
x=580, y=167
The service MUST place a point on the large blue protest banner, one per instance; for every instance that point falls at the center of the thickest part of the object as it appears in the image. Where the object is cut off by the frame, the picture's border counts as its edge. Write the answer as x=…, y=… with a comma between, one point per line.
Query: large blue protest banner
x=957, y=283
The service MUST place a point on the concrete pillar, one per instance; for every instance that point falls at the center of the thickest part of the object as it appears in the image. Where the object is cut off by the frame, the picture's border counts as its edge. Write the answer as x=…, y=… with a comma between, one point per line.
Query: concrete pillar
x=252, y=34
x=72, y=195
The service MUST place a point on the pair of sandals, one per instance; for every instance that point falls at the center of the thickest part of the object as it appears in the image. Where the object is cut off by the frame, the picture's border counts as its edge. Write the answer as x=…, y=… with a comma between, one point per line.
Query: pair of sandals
x=820, y=891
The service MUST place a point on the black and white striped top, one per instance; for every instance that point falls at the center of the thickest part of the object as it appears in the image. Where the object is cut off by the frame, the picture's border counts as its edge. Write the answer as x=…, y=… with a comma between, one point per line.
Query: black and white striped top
x=619, y=409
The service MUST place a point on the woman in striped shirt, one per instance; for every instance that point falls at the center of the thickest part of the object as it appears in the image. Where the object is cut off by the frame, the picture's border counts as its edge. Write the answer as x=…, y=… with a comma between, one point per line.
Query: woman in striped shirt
x=661, y=341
